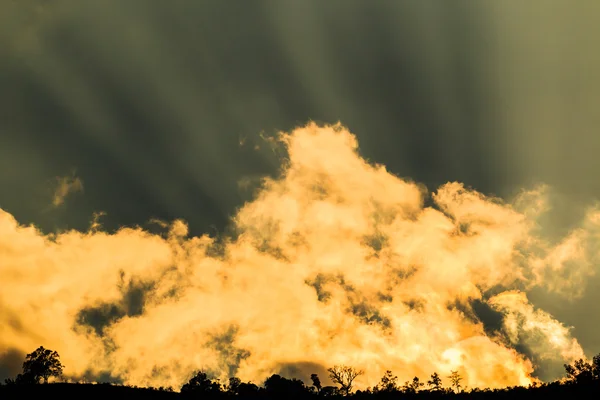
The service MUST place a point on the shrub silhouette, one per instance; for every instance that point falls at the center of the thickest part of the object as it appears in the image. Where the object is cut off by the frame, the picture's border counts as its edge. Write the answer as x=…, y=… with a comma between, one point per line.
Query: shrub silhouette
x=248, y=390
x=329, y=391
x=280, y=387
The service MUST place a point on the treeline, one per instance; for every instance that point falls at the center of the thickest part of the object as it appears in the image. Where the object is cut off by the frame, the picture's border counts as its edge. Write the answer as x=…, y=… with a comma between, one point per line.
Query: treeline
x=582, y=380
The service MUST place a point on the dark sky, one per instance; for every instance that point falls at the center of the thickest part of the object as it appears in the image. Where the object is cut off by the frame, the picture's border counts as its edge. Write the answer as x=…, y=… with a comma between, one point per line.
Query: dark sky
x=147, y=101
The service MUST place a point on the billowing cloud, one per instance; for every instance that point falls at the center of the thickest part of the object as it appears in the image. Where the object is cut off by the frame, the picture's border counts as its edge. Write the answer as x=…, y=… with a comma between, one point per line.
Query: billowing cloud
x=544, y=338
x=334, y=261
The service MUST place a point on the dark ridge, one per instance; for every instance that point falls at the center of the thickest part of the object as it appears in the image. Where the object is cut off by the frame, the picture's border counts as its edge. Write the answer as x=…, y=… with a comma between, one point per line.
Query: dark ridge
x=295, y=389
x=582, y=381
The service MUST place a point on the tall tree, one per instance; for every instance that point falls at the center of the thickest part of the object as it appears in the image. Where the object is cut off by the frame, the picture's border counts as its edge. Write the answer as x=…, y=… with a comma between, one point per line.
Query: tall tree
x=455, y=379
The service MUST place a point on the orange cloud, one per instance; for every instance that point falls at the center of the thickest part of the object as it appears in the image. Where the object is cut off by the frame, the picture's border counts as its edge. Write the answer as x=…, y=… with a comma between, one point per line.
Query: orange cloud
x=336, y=261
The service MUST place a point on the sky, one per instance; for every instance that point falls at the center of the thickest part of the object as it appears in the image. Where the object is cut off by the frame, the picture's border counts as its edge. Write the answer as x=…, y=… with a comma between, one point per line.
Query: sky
x=274, y=186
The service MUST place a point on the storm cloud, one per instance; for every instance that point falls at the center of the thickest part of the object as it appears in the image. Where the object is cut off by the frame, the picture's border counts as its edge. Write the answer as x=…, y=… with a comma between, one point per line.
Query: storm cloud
x=477, y=125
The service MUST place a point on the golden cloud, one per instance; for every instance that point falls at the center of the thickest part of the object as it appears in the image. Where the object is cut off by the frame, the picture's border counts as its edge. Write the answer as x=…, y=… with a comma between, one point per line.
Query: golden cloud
x=335, y=261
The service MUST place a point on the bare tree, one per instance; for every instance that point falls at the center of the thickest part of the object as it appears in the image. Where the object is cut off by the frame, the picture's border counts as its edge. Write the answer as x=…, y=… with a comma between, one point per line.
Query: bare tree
x=344, y=376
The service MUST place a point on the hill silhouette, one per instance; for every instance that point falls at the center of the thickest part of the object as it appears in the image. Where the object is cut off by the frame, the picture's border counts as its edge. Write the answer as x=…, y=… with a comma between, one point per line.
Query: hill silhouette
x=42, y=378
x=75, y=390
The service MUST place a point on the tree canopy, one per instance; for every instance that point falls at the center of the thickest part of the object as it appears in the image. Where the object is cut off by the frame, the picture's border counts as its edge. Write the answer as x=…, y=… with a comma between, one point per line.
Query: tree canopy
x=40, y=365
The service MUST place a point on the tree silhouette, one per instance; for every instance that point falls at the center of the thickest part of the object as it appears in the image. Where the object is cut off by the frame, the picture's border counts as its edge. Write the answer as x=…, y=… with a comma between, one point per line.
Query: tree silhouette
x=280, y=387
x=455, y=379
x=344, y=376
x=247, y=390
x=435, y=383
x=412, y=386
x=388, y=383
x=581, y=371
x=596, y=366
x=234, y=385
x=201, y=384
x=583, y=382
x=316, y=382
x=41, y=364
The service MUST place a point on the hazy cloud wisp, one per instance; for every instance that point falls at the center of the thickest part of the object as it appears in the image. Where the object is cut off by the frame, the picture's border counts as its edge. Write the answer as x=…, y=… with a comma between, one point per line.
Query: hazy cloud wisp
x=65, y=186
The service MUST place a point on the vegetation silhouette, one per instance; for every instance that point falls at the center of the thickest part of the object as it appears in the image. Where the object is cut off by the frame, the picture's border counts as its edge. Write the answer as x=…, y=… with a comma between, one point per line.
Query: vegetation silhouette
x=344, y=376
x=41, y=364
x=200, y=384
x=455, y=378
x=42, y=376
x=435, y=383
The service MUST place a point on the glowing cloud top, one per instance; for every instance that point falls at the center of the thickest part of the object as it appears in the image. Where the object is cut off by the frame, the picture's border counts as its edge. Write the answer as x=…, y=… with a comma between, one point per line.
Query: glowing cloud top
x=335, y=261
